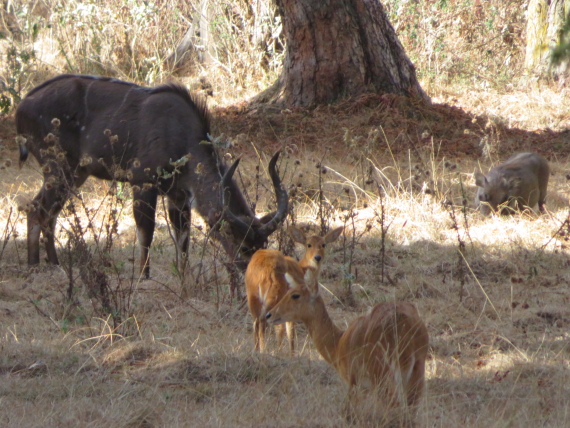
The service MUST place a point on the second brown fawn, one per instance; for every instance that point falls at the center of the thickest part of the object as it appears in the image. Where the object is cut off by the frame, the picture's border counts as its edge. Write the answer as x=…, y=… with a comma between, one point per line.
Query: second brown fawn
x=266, y=284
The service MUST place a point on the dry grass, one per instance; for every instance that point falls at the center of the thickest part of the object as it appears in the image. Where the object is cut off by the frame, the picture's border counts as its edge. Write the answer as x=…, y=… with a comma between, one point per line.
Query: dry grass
x=494, y=292
x=497, y=318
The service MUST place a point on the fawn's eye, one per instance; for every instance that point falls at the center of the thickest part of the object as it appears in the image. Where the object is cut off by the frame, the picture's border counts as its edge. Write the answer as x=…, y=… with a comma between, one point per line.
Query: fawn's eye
x=295, y=296
x=309, y=245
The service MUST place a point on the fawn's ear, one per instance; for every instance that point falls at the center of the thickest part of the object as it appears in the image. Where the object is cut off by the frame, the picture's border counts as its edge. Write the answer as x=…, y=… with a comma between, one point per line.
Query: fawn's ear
x=333, y=234
x=297, y=235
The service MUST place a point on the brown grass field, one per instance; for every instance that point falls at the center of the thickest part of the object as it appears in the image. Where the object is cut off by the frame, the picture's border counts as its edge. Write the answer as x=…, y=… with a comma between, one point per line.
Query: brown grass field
x=494, y=292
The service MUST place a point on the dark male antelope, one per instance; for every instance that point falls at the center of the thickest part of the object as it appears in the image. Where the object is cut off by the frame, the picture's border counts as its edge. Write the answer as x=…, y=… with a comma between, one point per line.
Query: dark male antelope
x=383, y=351
x=155, y=139
x=519, y=182
x=266, y=280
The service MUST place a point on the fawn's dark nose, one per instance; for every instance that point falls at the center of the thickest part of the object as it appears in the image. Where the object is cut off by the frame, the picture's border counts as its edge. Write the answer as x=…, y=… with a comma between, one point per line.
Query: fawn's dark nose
x=318, y=258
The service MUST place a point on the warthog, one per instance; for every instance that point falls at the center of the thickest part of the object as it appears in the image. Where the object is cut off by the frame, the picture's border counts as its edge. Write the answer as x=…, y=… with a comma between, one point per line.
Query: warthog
x=153, y=138
x=519, y=182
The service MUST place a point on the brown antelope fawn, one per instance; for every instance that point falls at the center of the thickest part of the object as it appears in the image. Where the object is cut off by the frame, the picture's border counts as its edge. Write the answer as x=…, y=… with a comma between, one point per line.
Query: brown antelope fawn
x=266, y=284
x=385, y=349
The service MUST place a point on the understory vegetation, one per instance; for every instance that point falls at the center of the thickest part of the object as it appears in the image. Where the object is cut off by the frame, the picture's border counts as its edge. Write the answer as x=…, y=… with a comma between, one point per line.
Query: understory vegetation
x=90, y=343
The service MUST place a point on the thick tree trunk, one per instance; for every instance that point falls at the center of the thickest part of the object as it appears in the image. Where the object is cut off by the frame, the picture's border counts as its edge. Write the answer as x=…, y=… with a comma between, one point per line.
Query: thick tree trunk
x=339, y=48
x=545, y=22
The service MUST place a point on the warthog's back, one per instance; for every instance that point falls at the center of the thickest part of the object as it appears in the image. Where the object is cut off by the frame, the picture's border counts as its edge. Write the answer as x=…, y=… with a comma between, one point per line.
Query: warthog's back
x=520, y=181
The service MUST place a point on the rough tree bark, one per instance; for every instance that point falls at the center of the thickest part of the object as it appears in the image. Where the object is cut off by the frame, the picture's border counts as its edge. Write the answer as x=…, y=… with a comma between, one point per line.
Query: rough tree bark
x=545, y=23
x=339, y=48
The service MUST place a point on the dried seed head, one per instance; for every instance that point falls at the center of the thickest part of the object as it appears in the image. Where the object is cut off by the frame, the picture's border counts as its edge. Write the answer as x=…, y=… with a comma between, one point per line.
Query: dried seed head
x=101, y=161
x=46, y=169
x=50, y=138
x=60, y=156
x=146, y=171
x=55, y=122
x=136, y=188
x=107, y=133
x=136, y=163
x=85, y=160
x=199, y=169
x=129, y=175
x=114, y=139
x=48, y=186
x=147, y=186
x=20, y=140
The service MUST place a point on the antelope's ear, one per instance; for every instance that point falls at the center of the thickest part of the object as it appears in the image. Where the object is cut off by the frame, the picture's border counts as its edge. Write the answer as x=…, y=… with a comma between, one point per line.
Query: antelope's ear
x=292, y=281
x=214, y=217
x=333, y=234
x=297, y=235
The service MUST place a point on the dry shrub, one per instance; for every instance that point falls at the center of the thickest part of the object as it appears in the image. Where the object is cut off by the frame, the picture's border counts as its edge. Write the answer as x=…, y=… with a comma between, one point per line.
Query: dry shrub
x=234, y=45
x=474, y=42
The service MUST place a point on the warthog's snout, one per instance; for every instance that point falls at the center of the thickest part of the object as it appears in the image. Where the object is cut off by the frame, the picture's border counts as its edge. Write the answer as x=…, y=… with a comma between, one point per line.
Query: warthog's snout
x=519, y=182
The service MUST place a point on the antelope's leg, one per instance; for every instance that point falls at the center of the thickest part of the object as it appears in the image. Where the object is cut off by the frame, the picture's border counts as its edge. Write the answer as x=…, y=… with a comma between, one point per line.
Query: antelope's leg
x=41, y=220
x=179, y=215
x=46, y=206
x=144, y=208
